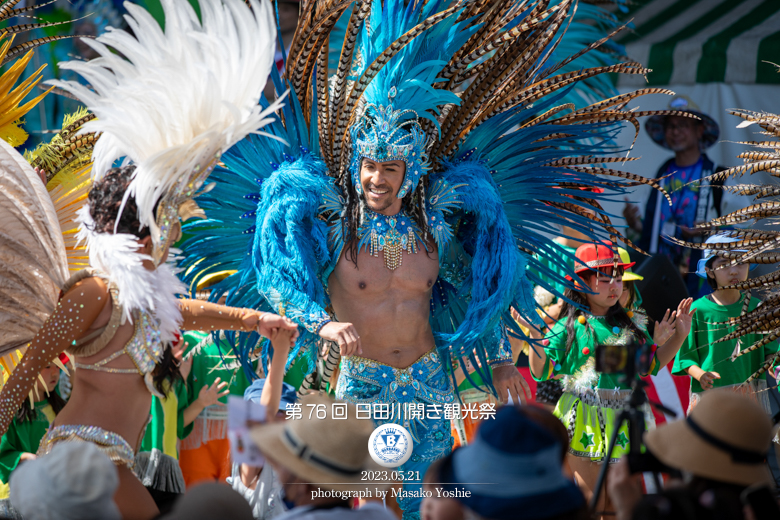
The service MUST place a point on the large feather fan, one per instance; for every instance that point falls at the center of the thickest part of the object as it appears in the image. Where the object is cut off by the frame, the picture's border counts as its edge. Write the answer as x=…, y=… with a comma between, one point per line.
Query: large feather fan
x=32, y=254
x=67, y=162
x=171, y=101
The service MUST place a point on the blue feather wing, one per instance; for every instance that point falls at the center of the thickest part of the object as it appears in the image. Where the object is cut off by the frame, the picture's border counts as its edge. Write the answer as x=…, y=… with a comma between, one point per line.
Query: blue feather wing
x=238, y=234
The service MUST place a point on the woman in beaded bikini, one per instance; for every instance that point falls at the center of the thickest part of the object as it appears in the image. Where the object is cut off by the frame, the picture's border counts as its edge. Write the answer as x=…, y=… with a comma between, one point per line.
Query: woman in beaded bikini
x=591, y=400
x=168, y=104
x=114, y=356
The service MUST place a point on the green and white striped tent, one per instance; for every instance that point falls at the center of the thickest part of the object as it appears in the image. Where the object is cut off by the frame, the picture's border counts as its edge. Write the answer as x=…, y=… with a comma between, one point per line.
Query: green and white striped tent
x=714, y=53
x=704, y=41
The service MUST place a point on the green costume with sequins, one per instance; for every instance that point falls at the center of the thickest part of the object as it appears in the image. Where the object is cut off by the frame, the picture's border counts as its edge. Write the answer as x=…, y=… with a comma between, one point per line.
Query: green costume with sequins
x=591, y=401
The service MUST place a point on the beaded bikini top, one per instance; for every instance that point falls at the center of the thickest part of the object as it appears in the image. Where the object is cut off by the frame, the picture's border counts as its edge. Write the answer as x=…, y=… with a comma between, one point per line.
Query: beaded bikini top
x=144, y=348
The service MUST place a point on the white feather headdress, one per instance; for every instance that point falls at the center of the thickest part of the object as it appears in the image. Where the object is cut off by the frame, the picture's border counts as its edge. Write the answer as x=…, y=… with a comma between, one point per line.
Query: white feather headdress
x=172, y=101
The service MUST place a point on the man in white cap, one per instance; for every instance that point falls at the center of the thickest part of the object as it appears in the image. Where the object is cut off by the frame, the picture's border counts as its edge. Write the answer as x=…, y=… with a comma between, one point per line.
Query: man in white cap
x=323, y=463
x=691, y=204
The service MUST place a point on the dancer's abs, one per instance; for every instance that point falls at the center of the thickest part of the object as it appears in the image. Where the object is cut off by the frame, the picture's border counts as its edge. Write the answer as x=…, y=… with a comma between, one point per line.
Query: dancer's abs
x=389, y=309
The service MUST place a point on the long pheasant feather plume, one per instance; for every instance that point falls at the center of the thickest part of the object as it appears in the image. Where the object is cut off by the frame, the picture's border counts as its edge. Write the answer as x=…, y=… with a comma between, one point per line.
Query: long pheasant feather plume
x=770, y=338
x=766, y=366
x=348, y=111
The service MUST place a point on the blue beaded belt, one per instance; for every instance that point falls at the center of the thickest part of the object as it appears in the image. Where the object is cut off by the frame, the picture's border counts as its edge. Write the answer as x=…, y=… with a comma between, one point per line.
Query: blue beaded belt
x=365, y=382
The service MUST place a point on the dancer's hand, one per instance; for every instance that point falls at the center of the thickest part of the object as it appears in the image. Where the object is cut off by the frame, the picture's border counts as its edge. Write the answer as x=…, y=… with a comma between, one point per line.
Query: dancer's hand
x=209, y=395
x=345, y=334
x=664, y=329
x=509, y=381
x=268, y=324
x=682, y=324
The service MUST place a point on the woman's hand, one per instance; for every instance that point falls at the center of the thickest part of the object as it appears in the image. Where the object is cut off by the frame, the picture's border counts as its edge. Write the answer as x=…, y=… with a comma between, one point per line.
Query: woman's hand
x=268, y=325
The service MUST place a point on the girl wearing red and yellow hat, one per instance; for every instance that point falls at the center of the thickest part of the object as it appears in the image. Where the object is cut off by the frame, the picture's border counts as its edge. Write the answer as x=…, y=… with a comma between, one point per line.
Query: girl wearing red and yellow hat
x=591, y=400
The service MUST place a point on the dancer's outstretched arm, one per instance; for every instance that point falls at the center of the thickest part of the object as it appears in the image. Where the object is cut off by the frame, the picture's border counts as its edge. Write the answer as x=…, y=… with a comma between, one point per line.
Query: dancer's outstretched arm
x=202, y=315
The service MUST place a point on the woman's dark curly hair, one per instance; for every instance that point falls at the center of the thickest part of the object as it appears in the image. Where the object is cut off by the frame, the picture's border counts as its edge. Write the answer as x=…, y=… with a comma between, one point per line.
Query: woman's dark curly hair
x=616, y=315
x=105, y=200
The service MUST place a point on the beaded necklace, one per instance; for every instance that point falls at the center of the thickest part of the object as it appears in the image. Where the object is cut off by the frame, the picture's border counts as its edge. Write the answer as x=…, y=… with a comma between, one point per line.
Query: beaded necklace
x=392, y=235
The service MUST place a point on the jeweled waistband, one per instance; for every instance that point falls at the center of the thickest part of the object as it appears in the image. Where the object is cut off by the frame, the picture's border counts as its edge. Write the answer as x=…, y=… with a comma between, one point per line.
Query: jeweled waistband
x=432, y=353
x=422, y=381
x=112, y=444
x=374, y=372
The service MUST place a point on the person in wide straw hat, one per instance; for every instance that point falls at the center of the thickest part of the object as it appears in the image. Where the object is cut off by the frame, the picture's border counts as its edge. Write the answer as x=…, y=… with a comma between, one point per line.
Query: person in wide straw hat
x=720, y=448
x=687, y=137
x=725, y=438
x=321, y=462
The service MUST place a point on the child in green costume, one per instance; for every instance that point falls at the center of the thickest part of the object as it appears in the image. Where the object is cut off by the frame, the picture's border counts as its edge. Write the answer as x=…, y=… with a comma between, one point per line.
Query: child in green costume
x=204, y=454
x=591, y=401
x=712, y=363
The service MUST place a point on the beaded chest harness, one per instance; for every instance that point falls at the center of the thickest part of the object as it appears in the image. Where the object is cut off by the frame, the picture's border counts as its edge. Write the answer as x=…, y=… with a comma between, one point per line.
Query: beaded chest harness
x=145, y=349
x=389, y=235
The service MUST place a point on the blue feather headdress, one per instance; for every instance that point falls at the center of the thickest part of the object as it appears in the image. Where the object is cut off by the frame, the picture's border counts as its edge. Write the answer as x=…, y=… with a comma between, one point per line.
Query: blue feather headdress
x=400, y=97
x=385, y=134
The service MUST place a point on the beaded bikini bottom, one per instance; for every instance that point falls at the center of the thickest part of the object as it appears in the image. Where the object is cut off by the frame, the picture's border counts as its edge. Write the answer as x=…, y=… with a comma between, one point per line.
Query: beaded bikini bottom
x=406, y=396
x=113, y=445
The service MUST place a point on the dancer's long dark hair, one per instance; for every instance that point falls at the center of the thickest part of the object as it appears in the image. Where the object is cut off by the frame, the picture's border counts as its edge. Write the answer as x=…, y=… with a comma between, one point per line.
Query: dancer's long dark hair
x=616, y=315
x=105, y=198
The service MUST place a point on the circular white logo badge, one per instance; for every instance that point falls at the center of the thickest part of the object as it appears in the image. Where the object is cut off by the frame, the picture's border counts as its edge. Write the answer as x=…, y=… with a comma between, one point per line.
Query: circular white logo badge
x=390, y=445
